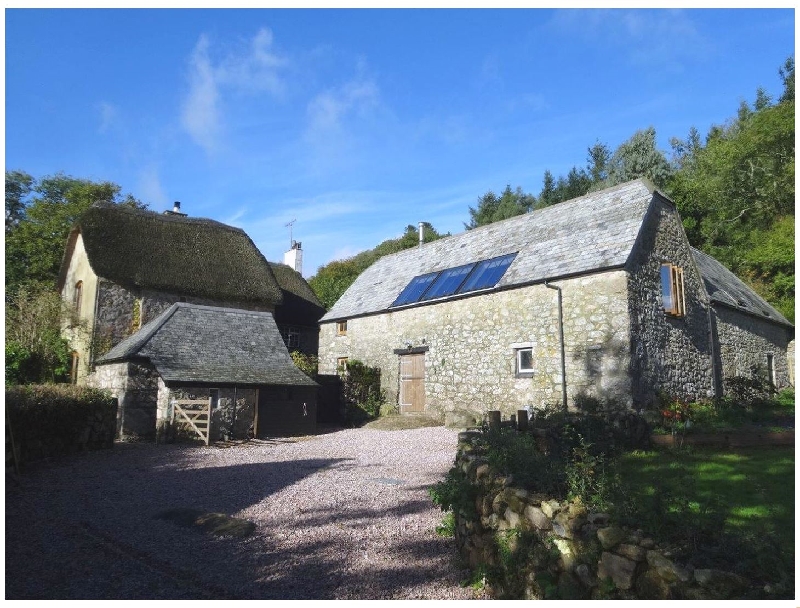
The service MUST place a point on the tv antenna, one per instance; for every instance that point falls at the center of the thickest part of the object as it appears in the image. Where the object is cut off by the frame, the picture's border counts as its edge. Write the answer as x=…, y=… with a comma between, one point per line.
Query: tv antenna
x=289, y=226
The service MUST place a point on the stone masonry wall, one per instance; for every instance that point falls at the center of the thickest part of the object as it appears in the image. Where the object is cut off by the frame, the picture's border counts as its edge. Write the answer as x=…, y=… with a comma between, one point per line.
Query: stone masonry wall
x=572, y=553
x=470, y=362
x=135, y=386
x=744, y=343
x=669, y=354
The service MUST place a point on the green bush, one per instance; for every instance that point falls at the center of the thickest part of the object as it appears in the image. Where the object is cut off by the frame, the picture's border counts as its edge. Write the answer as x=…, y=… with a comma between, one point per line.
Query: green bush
x=362, y=395
x=51, y=420
x=308, y=364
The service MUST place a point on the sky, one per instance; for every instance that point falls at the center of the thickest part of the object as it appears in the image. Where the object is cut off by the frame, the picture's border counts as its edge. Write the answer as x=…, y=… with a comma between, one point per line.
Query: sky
x=352, y=124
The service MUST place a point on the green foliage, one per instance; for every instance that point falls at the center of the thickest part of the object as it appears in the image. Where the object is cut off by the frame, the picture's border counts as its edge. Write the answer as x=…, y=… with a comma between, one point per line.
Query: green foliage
x=308, y=364
x=333, y=279
x=455, y=493
x=39, y=215
x=518, y=455
x=493, y=209
x=362, y=394
x=35, y=350
x=51, y=420
x=447, y=527
x=590, y=478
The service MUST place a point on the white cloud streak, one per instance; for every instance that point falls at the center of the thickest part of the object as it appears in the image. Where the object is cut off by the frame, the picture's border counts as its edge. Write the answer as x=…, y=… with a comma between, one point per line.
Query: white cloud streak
x=253, y=70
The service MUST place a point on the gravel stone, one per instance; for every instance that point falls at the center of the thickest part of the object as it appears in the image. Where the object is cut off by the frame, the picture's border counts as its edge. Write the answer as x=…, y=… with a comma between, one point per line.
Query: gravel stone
x=341, y=515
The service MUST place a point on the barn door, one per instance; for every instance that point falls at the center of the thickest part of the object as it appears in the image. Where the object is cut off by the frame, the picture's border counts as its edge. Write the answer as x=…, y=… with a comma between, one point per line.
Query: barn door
x=412, y=383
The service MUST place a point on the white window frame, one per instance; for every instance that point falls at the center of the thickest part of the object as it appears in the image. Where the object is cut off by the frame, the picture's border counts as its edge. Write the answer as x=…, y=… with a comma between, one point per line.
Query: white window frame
x=519, y=348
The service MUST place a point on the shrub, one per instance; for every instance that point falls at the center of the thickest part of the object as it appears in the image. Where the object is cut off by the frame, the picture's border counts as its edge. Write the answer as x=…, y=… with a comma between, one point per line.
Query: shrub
x=362, y=395
x=51, y=420
x=308, y=364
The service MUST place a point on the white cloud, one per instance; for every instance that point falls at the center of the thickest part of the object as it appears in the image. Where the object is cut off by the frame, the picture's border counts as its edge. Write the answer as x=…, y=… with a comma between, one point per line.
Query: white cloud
x=200, y=112
x=108, y=115
x=329, y=110
x=149, y=188
x=253, y=69
x=660, y=39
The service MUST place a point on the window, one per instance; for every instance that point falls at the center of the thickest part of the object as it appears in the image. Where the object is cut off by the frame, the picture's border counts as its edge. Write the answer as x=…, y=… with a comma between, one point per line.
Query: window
x=73, y=373
x=136, y=317
x=487, y=273
x=415, y=289
x=291, y=336
x=771, y=369
x=77, y=297
x=447, y=282
x=672, y=295
x=341, y=328
x=456, y=280
x=524, y=366
x=213, y=394
x=341, y=365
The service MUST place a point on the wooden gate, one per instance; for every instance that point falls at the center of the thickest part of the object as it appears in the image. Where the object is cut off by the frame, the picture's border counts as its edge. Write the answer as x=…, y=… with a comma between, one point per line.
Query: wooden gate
x=412, y=383
x=196, y=413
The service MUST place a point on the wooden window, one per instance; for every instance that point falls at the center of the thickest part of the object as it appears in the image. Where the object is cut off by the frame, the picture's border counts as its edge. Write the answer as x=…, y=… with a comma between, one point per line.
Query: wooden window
x=341, y=365
x=73, y=373
x=524, y=362
x=341, y=328
x=77, y=297
x=672, y=293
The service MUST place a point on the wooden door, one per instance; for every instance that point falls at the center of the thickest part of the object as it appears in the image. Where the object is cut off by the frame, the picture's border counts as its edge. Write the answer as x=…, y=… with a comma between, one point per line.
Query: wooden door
x=412, y=383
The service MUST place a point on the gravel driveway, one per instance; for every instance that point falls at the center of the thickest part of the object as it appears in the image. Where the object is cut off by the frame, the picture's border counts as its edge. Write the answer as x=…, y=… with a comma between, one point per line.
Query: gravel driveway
x=342, y=515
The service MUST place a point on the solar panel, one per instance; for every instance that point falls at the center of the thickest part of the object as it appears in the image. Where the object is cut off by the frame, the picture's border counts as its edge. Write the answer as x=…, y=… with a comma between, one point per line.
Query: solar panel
x=487, y=273
x=448, y=282
x=415, y=289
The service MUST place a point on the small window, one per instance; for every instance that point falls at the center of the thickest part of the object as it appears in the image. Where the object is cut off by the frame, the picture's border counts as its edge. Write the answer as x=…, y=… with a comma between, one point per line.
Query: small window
x=73, y=373
x=672, y=295
x=341, y=328
x=291, y=337
x=77, y=297
x=136, y=317
x=213, y=394
x=524, y=366
x=771, y=369
x=341, y=365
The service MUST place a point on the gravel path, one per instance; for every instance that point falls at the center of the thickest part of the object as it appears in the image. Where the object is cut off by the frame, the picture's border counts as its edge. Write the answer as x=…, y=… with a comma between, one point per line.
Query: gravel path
x=344, y=515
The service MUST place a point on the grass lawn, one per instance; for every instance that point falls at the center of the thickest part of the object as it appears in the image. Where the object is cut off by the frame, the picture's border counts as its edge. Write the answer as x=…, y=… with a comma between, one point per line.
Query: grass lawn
x=732, y=510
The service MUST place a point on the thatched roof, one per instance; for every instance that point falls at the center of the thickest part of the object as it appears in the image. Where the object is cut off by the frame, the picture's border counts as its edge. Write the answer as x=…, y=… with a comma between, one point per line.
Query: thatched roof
x=208, y=344
x=300, y=304
x=189, y=256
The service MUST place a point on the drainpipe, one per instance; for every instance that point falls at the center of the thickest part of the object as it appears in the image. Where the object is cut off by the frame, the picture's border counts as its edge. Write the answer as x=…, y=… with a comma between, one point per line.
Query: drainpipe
x=561, y=343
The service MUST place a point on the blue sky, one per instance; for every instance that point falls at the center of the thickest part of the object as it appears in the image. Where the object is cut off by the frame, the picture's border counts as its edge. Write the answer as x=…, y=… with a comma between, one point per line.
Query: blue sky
x=356, y=123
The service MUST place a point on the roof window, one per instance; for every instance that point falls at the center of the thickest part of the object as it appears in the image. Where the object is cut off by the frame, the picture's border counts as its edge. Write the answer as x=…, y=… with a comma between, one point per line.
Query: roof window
x=455, y=280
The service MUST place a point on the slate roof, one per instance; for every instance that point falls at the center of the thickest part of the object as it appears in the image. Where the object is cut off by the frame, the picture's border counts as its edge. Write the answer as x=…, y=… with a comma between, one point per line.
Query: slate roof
x=208, y=344
x=590, y=233
x=184, y=255
x=726, y=288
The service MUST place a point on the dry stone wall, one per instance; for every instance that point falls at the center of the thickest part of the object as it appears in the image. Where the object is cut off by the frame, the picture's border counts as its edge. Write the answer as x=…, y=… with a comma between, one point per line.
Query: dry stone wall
x=571, y=552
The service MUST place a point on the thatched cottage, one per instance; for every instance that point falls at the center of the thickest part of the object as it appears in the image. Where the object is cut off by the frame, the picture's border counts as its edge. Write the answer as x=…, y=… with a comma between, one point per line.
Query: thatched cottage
x=178, y=307
x=601, y=296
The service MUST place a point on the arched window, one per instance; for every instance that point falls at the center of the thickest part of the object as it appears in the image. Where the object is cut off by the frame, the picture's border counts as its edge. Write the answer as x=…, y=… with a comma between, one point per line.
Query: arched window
x=77, y=297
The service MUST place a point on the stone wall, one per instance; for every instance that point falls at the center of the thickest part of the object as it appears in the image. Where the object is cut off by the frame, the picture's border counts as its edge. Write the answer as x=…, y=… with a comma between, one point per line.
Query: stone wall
x=745, y=341
x=470, y=363
x=571, y=552
x=669, y=354
x=135, y=385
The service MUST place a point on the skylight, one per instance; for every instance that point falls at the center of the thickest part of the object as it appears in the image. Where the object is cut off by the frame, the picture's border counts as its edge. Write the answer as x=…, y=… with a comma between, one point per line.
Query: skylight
x=456, y=280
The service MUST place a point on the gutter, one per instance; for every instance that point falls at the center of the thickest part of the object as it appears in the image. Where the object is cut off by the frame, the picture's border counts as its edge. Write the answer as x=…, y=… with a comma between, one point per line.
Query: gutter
x=561, y=343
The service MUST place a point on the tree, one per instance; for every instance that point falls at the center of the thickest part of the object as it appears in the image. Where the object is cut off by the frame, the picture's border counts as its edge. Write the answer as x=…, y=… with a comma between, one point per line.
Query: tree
x=639, y=157
x=37, y=232
x=736, y=195
x=492, y=209
x=35, y=350
x=18, y=187
x=787, y=76
x=548, y=196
